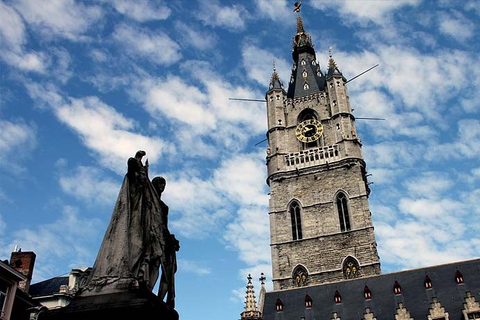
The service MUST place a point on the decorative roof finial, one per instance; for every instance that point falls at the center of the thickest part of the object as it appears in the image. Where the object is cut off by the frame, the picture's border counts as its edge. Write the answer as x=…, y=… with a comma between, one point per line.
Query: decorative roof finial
x=274, y=65
x=330, y=51
x=262, y=279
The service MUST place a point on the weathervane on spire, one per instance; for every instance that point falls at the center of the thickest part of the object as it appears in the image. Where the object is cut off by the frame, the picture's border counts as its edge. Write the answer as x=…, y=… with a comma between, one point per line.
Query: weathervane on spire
x=297, y=7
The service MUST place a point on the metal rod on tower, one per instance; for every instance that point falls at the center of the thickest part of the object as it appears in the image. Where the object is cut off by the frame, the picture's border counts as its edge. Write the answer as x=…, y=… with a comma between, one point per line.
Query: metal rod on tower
x=362, y=73
x=239, y=99
x=356, y=118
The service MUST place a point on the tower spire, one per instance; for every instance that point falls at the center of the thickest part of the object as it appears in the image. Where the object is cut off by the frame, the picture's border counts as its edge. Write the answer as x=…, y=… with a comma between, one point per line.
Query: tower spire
x=306, y=78
x=251, y=311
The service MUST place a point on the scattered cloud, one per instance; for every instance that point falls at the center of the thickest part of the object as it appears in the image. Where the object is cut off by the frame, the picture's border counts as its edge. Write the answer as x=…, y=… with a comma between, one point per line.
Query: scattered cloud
x=63, y=18
x=142, y=10
x=62, y=239
x=90, y=185
x=455, y=25
x=229, y=17
x=13, y=39
x=101, y=128
x=201, y=40
x=17, y=140
x=156, y=47
x=258, y=63
x=364, y=11
x=193, y=267
x=281, y=11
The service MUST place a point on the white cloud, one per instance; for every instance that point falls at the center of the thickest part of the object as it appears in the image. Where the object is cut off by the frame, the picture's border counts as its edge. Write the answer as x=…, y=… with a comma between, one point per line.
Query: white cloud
x=201, y=40
x=213, y=14
x=63, y=239
x=258, y=63
x=364, y=11
x=142, y=10
x=167, y=98
x=413, y=243
x=429, y=184
x=156, y=47
x=12, y=29
x=281, y=11
x=202, y=118
x=64, y=18
x=193, y=267
x=89, y=184
x=391, y=155
x=456, y=25
x=101, y=128
x=13, y=39
x=17, y=140
x=203, y=205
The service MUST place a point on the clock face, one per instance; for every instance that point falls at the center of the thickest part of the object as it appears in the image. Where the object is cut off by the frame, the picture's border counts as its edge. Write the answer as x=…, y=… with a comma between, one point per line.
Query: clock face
x=309, y=130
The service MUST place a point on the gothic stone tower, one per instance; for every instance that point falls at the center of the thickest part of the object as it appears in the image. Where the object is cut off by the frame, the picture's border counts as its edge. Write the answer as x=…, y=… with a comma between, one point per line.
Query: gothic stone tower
x=320, y=221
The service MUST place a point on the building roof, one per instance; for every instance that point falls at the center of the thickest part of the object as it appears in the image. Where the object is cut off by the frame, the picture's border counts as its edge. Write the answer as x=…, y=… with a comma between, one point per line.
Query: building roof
x=414, y=295
x=48, y=287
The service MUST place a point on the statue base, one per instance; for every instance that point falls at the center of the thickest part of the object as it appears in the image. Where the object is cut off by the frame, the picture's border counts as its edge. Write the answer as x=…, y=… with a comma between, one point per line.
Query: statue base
x=134, y=304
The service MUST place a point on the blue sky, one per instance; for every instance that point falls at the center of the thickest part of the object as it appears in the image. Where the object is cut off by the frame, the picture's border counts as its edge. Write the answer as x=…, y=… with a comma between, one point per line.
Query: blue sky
x=85, y=84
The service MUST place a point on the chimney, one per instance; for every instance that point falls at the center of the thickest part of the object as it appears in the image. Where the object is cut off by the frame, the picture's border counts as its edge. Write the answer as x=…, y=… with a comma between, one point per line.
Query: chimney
x=23, y=262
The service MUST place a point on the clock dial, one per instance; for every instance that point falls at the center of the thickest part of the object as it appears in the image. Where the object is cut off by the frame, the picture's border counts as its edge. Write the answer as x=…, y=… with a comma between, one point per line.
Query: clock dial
x=309, y=130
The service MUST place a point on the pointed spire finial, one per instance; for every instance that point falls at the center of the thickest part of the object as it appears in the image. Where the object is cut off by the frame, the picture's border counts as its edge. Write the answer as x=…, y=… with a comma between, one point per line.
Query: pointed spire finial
x=330, y=51
x=262, y=279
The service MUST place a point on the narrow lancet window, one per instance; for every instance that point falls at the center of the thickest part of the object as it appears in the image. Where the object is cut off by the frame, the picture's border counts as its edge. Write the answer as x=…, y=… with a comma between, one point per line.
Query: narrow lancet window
x=343, y=214
x=295, y=214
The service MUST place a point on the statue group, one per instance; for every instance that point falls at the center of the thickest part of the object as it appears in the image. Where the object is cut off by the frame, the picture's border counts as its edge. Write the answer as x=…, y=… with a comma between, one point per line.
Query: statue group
x=137, y=245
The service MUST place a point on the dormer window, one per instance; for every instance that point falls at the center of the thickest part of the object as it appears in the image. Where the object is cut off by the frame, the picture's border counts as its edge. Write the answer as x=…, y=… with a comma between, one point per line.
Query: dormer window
x=396, y=288
x=428, y=282
x=304, y=73
x=308, y=301
x=458, y=277
x=314, y=63
x=306, y=86
x=337, y=297
x=279, y=305
x=303, y=62
x=367, y=294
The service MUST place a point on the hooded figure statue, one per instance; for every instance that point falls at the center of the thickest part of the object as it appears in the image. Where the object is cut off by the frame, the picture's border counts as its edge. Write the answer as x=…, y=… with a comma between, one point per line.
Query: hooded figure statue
x=134, y=245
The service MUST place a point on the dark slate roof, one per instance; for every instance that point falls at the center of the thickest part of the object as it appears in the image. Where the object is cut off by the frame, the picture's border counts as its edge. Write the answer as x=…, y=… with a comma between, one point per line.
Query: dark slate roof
x=47, y=287
x=383, y=303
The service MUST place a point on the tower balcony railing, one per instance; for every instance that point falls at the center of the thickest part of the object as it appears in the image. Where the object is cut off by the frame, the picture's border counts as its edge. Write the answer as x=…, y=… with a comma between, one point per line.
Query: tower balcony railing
x=315, y=156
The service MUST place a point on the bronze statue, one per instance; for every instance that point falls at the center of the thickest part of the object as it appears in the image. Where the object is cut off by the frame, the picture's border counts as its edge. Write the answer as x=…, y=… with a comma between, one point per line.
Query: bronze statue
x=137, y=242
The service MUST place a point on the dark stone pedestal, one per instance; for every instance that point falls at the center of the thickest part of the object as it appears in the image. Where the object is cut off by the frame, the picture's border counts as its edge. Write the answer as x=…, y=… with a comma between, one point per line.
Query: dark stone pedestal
x=136, y=304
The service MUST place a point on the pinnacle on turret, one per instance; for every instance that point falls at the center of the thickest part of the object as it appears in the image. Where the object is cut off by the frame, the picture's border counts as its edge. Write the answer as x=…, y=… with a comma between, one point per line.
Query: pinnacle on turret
x=275, y=83
x=332, y=66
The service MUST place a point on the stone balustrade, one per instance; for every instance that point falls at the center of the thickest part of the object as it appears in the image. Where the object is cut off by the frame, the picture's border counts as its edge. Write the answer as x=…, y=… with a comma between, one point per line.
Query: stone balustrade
x=315, y=156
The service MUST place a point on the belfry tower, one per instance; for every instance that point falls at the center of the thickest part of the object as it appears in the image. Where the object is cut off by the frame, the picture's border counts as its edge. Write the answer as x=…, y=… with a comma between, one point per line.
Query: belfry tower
x=320, y=222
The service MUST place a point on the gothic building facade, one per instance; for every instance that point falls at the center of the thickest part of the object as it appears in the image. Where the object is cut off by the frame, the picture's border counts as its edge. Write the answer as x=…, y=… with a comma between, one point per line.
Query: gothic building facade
x=324, y=253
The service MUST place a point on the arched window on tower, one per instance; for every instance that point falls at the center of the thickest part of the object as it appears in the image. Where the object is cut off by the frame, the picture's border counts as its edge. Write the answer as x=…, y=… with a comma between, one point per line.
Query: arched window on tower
x=300, y=276
x=351, y=268
x=343, y=214
x=295, y=215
